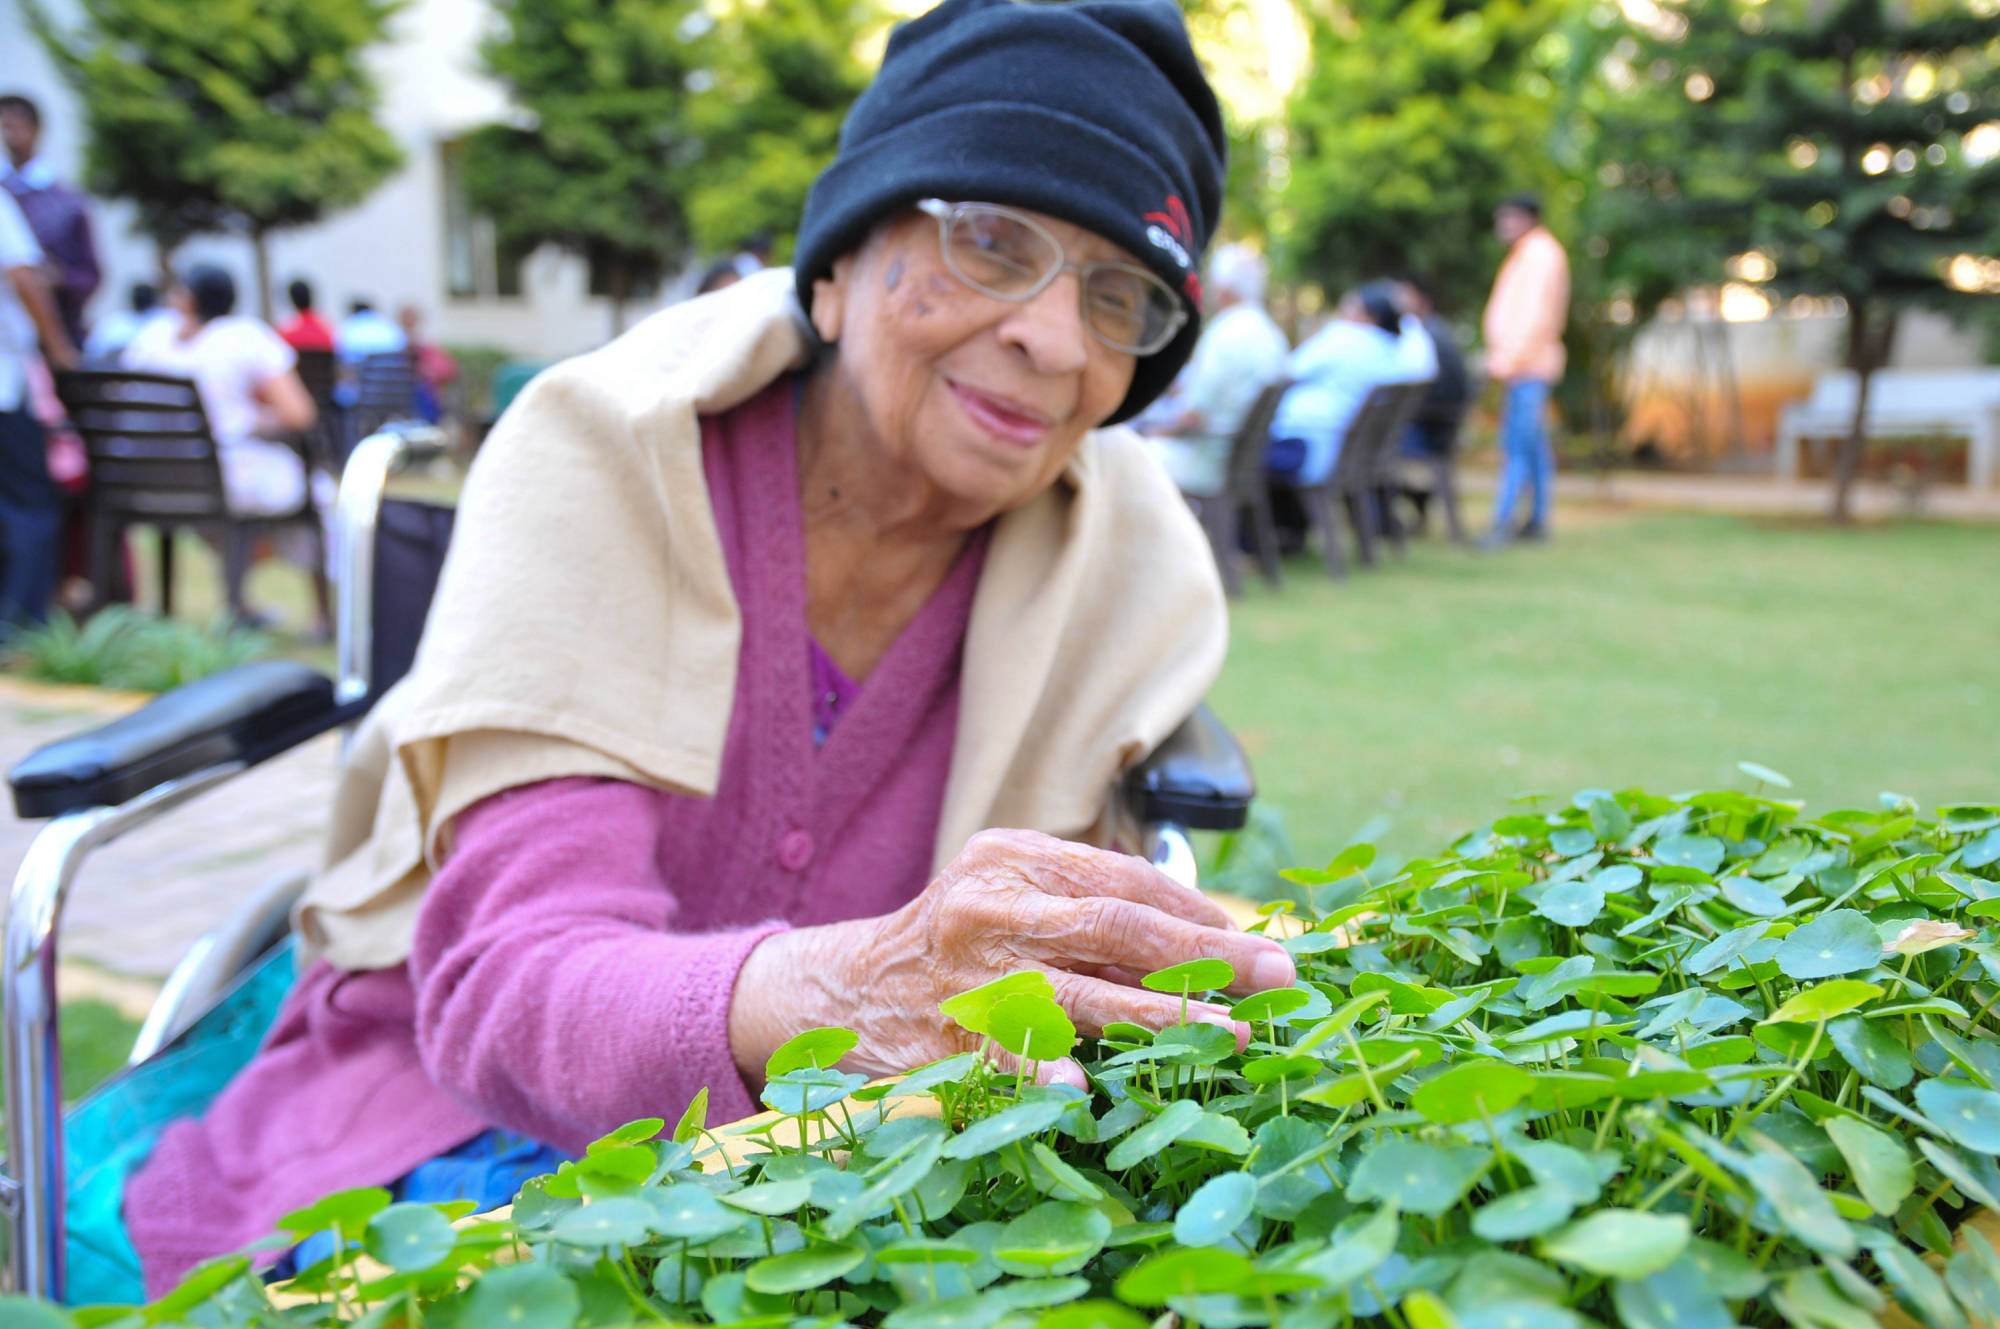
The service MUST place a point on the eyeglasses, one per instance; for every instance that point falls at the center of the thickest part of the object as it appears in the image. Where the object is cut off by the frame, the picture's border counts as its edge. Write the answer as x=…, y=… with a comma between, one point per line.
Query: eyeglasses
x=1010, y=256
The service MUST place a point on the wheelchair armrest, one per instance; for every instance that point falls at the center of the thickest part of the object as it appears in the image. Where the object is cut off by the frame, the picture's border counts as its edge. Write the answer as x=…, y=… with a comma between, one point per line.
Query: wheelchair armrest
x=1198, y=777
x=245, y=714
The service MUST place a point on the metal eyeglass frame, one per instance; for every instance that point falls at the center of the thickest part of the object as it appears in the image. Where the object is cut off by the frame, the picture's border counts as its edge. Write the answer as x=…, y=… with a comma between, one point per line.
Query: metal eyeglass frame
x=948, y=214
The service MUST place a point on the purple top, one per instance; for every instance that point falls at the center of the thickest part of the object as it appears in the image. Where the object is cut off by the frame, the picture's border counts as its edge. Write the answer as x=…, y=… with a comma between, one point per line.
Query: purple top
x=59, y=215
x=576, y=955
x=833, y=692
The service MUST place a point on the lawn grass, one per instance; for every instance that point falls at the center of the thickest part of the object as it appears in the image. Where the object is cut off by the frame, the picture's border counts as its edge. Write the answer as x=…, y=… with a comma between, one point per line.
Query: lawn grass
x=1407, y=704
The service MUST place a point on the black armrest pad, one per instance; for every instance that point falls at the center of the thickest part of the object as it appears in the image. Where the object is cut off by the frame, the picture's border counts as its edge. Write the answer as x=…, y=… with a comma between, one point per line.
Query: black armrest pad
x=243, y=714
x=1198, y=777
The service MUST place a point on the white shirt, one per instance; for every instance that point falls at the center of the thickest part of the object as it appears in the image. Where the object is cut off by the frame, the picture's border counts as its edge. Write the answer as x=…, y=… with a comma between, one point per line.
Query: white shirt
x=228, y=358
x=17, y=331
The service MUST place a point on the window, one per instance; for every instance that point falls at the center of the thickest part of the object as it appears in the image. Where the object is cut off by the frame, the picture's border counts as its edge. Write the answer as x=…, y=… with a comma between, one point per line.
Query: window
x=476, y=264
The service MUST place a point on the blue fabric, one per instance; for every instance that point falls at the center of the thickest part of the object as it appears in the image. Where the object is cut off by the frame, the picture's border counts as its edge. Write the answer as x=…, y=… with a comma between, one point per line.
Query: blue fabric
x=1528, y=461
x=112, y=1131
x=489, y=1170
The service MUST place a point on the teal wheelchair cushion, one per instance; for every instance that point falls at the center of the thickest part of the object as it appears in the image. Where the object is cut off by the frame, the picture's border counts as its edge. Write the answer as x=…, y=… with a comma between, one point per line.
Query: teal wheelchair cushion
x=112, y=1131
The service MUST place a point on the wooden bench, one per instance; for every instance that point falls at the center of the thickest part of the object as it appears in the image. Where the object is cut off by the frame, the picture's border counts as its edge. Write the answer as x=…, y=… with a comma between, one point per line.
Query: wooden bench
x=1902, y=403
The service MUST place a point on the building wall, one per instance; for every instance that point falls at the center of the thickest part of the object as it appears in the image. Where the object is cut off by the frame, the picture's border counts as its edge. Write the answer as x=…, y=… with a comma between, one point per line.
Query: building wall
x=391, y=248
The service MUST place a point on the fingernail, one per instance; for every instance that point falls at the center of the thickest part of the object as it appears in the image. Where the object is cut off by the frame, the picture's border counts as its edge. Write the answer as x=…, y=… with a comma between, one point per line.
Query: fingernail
x=1274, y=969
x=1220, y=1019
x=1065, y=1072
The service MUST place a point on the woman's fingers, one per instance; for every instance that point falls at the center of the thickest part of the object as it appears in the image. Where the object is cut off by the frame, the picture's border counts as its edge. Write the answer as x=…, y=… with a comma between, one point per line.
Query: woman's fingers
x=1104, y=931
x=1093, y=1004
x=1077, y=871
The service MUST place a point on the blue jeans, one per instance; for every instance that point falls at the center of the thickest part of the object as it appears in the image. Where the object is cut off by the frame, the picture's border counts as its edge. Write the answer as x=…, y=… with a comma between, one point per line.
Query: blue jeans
x=30, y=520
x=1528, y=462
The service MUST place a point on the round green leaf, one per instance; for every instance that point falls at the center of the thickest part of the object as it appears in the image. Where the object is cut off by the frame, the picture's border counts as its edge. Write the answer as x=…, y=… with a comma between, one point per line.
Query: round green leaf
x=1417, y=1178
x=1572, y=903
x=1474, y=1090
x=1054, y=1237
x=1752, y=896
x=620, y=1221
x=1272, y=1004
x=530, y=1296
x=1824, y=1001
x=1620, y=1243
x=1172, y=1122
x=970, y=1009
x=799, y=1271
x=805, y=1090
x=1426, y=1310
x=347, y=1211
x=1784, y=1183
x=1008, y=1125
x=1969, y=1114
x=1676, y=1298
x=1619, y=878
x=24, y=1313
x=1191, y=976
x=1093, y=1314
x=1181, y=1273
x=1839, y=941
x=767, y=1198
x=691, y=1212
x=1872, y=1050
x=1757, y=771
x=1703, y=853
x=410, y=1237
x=1056, y=1179
x=926, y=1250
x=1031, y=1026
x=1528, y=1212
x=1292, y=1066
x=817, y=1049
x=1216, y=1210
x=1877, y=1160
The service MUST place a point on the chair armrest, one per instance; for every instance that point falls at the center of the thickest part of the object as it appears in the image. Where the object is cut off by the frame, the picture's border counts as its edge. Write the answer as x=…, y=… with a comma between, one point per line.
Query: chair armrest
x=245, y=714
x=1198, y=778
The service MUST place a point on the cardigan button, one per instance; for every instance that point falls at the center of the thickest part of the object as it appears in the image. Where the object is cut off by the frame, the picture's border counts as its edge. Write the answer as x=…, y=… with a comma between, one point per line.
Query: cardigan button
x=795, y=850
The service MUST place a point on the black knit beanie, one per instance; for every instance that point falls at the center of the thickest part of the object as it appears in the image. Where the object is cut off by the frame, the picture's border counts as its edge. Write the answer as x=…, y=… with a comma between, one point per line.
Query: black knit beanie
x=1094, y=111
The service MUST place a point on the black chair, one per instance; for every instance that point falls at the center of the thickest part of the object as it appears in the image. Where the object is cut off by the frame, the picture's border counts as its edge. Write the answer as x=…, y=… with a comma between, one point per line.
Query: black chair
x=1245, y=490
x=1432, y=476
x=320, y=371
x=385, y=390
x=98, y=785
x=153, y=462
x=1356, y=479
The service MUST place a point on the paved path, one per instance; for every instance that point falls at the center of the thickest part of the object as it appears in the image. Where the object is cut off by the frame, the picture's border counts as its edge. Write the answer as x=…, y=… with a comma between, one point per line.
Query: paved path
x=142, y=900
x=1751, y=495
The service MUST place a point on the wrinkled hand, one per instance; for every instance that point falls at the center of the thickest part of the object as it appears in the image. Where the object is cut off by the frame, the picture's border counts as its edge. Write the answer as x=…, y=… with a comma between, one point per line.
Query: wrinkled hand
x=1094, y=921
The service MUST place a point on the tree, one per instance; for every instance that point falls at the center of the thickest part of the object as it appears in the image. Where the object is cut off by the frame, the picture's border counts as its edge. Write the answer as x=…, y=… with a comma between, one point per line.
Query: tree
x=250, y=115
x=1829, y=139
x=1415, y=121
x=769, y=122
x=605, y=149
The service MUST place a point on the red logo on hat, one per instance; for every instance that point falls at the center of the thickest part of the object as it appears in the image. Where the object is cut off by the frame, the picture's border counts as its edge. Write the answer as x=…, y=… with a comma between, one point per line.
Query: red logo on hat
x=1175, y=219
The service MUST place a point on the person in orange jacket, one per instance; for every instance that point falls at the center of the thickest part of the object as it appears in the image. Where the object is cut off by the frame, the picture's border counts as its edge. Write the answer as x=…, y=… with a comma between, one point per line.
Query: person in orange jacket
x=1524, y=350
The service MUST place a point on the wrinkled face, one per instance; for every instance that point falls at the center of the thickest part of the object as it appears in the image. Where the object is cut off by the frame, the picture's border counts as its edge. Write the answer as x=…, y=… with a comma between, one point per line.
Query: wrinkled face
x=986, y=399
x=1510, y=224
x=19, y=133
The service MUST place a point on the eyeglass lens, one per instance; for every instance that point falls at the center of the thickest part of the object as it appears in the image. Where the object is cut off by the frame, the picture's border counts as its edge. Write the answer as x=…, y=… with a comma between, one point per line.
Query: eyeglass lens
x=1005, y=256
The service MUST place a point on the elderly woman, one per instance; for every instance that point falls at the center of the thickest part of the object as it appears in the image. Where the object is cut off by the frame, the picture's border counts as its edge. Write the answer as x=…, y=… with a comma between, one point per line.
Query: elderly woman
x=755, y=622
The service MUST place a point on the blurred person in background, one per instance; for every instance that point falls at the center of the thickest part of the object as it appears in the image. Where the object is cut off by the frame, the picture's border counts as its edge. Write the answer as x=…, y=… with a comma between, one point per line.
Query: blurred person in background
x=30, y=506
x=1523, y=328
x=305, y=330
x=110, y=335
x=365, y=332
x=1434, y=432
x=248, y=384
x=435, y=366
x=1368, y=342
x=58, y=214
x=1241, y=352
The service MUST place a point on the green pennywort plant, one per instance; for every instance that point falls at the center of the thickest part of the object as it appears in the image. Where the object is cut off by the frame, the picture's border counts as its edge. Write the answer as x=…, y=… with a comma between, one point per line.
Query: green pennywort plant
x=1680, y=1063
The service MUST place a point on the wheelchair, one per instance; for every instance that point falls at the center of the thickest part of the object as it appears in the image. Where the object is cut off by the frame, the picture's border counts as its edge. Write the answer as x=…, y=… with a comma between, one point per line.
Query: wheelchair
x=216, y=1005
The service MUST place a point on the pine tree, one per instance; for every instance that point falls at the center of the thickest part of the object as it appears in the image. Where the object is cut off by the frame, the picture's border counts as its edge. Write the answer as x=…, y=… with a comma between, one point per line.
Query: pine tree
x=771, y=120
x=1415, y=121
x=598, y=160
x=250, y=115
x=1827, y=136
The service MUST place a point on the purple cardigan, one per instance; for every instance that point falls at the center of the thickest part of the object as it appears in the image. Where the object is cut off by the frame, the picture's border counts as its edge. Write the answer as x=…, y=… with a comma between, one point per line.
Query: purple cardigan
x=576, y=956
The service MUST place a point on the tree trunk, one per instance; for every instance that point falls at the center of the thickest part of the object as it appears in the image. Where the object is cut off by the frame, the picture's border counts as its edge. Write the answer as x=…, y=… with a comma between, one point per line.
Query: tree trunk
x=263, y=255
x=621, y=292
x=1868, y=348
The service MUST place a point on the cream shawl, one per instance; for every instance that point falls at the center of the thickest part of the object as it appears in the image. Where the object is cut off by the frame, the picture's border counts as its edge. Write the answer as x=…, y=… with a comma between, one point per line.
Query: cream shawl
x=585, y=623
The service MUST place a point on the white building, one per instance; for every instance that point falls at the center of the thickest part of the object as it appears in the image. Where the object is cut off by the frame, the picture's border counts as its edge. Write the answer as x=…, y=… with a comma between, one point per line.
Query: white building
x=412, y=242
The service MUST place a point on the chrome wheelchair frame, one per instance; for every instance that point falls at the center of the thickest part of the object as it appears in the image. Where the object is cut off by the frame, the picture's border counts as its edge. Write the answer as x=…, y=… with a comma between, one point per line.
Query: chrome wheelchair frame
x=103, y=784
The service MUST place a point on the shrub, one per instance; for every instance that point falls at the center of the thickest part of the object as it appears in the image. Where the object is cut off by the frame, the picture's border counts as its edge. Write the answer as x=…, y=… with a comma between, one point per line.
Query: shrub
x=119, y=647
x=1689, y=1062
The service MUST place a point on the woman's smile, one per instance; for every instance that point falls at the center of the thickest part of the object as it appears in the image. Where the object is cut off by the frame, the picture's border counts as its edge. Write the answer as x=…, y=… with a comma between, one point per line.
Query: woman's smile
x=1003, y=418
